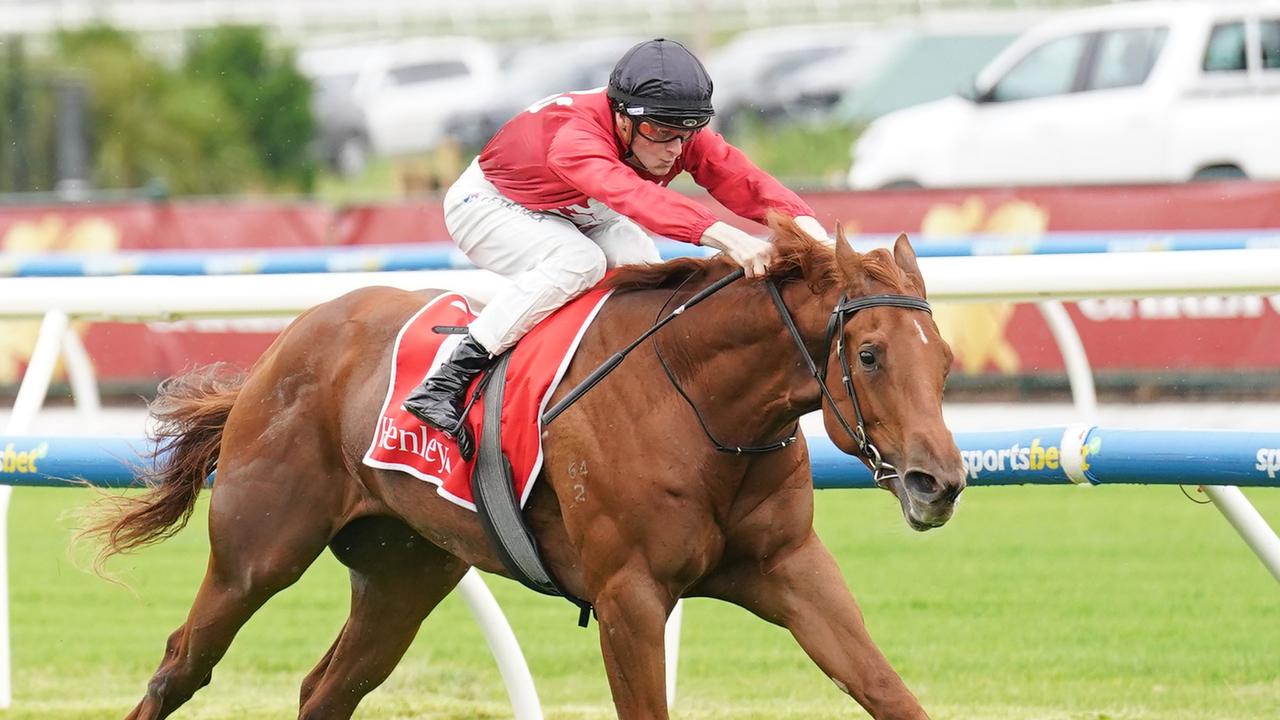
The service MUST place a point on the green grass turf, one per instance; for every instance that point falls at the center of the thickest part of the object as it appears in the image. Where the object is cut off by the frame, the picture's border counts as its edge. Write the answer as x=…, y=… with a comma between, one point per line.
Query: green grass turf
x=1039, y=603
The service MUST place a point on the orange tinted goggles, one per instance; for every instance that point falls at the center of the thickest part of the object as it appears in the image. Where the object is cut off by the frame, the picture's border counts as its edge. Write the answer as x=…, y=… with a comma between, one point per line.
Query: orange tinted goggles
x=654, y=132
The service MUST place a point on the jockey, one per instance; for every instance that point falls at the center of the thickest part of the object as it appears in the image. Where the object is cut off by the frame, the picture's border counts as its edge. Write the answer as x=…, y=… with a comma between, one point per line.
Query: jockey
x=566, y=190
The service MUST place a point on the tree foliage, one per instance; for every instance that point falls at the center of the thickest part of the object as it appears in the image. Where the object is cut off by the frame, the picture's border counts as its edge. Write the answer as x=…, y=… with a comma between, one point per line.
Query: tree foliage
x=232, y=116
x=266, y=91
x=146, y=123
x=26, y=137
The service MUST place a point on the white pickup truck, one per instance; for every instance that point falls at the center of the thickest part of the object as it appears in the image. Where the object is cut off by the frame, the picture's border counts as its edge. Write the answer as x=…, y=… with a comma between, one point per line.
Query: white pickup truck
x=1126, y=93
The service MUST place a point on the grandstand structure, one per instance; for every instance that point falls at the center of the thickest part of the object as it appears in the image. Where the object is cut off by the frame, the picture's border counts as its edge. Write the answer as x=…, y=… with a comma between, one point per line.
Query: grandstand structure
x=297, y=19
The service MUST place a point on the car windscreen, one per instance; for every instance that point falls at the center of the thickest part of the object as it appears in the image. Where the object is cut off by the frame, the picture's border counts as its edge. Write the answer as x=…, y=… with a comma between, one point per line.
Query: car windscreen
x=1049, y=69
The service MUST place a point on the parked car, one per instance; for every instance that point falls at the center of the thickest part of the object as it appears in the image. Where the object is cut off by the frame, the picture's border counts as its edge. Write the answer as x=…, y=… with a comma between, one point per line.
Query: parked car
x=342, y=142
x=751, y=70
x=1137, y=92
x=396, y=98
x=928, y=65
x=533, y=72
x=812, y=91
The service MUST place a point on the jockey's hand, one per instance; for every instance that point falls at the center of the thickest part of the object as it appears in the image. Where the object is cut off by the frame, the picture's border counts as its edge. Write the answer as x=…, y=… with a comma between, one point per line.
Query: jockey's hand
x=811, y=227
x=752, y=253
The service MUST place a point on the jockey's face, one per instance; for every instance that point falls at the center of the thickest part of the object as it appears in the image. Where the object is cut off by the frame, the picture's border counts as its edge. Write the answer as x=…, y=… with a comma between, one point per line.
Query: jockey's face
x=654, y=148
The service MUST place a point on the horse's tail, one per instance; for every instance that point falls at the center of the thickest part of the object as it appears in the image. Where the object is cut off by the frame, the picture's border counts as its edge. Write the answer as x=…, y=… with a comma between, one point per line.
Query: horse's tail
x=190, y=412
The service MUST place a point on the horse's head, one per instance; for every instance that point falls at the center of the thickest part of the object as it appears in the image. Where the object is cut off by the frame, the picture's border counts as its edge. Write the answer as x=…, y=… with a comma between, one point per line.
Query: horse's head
x=896, y=363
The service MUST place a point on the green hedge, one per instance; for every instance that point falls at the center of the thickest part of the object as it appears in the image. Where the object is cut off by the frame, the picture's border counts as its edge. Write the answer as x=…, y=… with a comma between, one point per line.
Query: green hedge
x=231, y=117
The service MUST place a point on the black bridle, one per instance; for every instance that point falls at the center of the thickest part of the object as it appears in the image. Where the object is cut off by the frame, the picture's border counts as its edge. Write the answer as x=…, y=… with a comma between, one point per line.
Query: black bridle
x=843, y=312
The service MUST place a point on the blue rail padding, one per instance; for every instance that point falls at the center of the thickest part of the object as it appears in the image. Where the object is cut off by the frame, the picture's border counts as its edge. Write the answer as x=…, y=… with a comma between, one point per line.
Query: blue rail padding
x=1106, y=456
x=1184, y=457
x=1013, y=457
x=1077, y=242
x=390, y=258
x=443, y=256
x=236, y=262
x=71, y=461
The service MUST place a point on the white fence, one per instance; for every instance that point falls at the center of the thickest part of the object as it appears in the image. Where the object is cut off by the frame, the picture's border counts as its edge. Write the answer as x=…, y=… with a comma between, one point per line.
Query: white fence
x=1036, y=278
x=1025, y=278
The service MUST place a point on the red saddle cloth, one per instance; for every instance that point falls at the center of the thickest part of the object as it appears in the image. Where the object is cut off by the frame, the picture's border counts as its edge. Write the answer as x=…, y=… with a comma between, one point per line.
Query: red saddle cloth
x=402, y=442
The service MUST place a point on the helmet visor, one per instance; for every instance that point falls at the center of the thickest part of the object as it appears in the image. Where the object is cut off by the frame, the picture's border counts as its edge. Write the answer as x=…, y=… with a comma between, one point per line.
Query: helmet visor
x=659, y=133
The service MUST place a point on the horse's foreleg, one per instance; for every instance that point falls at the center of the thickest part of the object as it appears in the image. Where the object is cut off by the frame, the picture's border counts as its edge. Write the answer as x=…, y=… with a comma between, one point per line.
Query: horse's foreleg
x=632, y=611
x=803, y=591
x=397, y=579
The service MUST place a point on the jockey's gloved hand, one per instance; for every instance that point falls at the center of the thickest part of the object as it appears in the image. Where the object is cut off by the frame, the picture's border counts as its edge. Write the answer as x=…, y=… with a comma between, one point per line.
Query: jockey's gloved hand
x=752, y=253
x=811, y=227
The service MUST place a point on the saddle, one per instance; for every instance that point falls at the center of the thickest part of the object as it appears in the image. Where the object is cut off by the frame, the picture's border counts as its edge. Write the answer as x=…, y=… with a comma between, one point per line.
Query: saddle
x=505, y=413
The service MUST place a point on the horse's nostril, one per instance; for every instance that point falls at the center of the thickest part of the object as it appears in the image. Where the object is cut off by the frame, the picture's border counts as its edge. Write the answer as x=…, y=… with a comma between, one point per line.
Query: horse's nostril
x=952, y=493
x=922, y=483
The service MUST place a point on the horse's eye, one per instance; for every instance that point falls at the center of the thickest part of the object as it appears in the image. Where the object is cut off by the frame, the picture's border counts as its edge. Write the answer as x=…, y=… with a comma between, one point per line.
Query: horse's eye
x=867, y=358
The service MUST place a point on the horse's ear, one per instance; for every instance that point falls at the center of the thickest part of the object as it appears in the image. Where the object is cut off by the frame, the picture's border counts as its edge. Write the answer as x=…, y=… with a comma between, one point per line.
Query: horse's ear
x=905, y=256
x=848, y=262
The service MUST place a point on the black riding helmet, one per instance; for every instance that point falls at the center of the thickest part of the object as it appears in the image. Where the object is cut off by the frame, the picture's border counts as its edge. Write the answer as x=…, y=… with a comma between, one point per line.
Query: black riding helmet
x=661, y=81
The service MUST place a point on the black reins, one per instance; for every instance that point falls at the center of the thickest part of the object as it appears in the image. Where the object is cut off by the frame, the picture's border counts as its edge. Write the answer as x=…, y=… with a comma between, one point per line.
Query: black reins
x=614, y=360
x=706, y=429
x=843, y=312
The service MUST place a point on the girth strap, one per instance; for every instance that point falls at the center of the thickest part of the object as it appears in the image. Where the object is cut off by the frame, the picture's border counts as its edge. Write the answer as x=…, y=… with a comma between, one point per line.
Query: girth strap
x=498, y=507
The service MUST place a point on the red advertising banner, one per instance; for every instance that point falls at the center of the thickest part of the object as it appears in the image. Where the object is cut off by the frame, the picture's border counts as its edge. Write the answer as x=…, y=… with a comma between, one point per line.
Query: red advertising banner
x=1165, y=335
x=163, y=225
x=1155, y=335
x=198, y=225
x=1172, y=335
x=420, y=222
x=1193, y=206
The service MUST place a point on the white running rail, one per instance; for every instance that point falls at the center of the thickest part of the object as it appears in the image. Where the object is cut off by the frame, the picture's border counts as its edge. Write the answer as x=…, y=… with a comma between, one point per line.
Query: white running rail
x=1045, y=279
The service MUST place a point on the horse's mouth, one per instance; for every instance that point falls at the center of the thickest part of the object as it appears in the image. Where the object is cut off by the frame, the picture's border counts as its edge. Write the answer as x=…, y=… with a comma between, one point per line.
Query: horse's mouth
x=921, y=515
x=931, y=517
x=922, y=526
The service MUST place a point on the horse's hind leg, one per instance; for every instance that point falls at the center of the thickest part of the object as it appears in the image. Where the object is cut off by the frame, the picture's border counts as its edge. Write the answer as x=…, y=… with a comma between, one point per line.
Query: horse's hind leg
x=260, y=543
x=397, y=578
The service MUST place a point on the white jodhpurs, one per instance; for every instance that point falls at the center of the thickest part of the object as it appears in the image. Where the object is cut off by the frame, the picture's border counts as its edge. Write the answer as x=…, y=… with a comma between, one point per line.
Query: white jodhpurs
x=550, y=256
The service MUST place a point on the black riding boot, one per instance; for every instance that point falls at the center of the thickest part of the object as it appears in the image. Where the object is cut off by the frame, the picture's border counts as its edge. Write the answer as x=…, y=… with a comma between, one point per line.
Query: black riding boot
x=438, y=400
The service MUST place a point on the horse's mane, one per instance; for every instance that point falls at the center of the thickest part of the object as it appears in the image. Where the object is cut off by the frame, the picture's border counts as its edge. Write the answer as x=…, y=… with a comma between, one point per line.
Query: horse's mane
x=799, y=257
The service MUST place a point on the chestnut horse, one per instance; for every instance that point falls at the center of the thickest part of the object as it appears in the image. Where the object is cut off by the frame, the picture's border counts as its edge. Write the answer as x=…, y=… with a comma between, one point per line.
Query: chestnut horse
x=635, y=508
